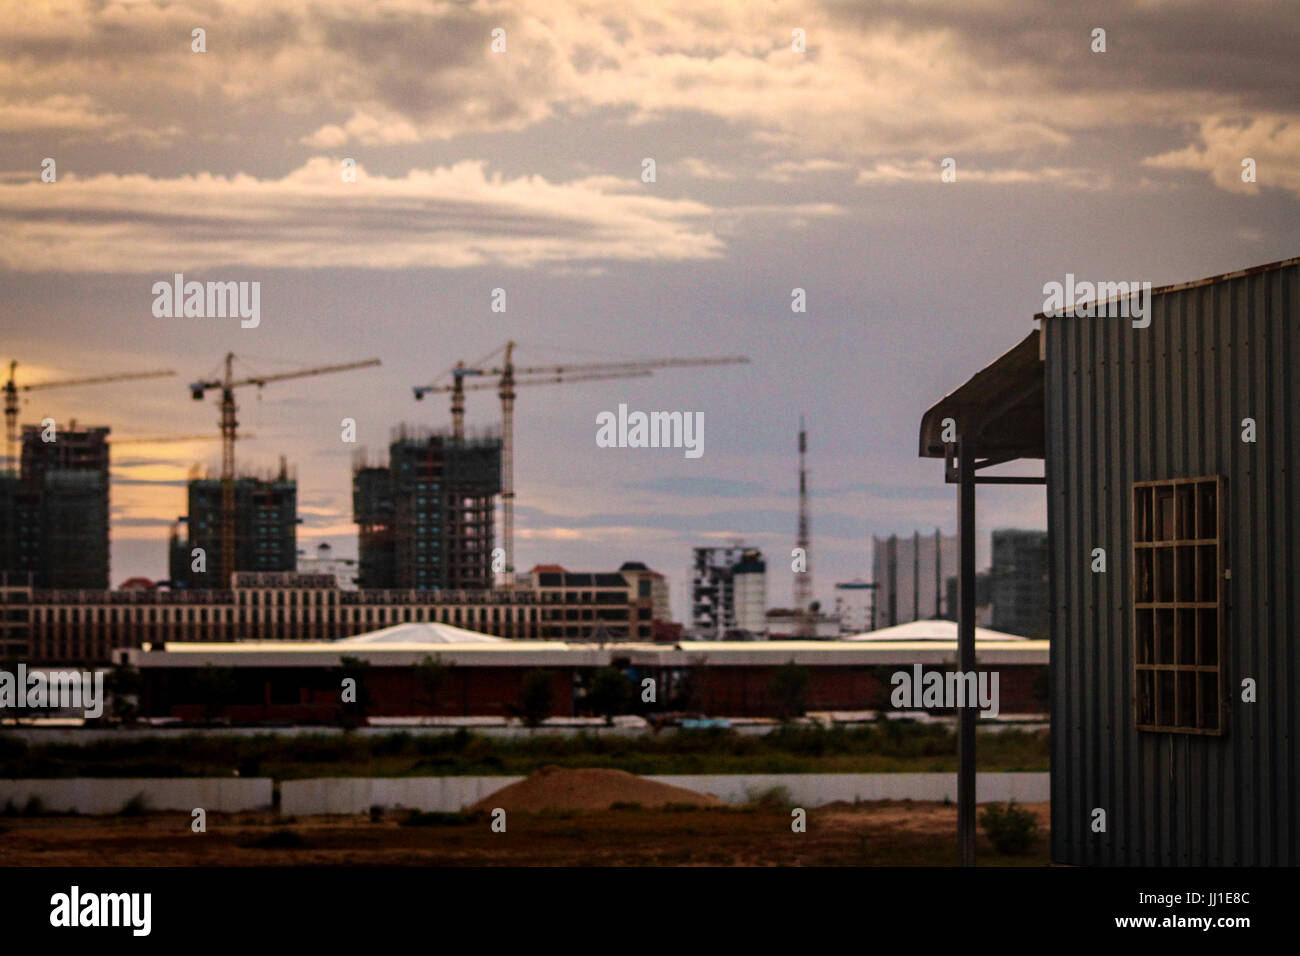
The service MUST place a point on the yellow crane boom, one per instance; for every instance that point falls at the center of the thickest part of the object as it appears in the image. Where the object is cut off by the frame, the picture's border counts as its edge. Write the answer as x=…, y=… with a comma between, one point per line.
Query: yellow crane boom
x=12, y=388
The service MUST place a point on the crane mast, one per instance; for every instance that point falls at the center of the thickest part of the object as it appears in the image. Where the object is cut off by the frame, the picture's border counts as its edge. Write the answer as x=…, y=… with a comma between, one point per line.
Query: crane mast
x=507, y=395
x=229, y=425
x=12, y=388
x=803, y=585
x=510, y=377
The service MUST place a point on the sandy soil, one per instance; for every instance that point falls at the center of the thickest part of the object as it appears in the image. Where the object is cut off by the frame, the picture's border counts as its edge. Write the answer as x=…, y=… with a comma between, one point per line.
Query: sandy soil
x=556, y=788
x=887, y=833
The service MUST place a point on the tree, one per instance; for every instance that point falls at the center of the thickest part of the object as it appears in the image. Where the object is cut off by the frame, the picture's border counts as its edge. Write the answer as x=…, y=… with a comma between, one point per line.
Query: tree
x=433, y=676
x=355, y=669
x=215, y=687
x=536, y=698
x=788, y=689
x=611, y=692
x=124, y=687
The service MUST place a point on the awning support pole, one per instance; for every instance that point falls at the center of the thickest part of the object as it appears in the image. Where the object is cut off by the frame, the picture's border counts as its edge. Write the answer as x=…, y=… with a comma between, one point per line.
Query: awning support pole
x=966, y=715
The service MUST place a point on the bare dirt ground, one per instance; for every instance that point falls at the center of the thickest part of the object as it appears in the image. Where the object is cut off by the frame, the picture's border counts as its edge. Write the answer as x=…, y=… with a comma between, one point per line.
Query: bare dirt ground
x=885, y=833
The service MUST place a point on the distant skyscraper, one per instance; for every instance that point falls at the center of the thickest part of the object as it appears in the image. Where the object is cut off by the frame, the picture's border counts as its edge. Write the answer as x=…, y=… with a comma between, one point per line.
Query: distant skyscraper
x=728, y=592
x=910, y=575
x=853, y=606
x=1019, y=582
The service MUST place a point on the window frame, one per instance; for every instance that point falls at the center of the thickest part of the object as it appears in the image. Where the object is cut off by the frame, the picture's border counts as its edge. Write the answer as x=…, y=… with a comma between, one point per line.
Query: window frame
x=1159, y=627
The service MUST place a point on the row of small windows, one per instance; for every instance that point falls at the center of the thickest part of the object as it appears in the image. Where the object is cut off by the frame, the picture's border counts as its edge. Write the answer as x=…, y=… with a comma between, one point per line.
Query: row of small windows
x=227, y=615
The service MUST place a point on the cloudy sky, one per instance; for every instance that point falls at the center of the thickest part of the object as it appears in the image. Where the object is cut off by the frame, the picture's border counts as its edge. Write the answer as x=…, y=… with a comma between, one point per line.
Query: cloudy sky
x=522, y=169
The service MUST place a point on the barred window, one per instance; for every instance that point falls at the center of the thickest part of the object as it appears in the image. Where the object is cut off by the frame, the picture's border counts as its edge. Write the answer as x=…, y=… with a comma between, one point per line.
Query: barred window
x=1178, y=605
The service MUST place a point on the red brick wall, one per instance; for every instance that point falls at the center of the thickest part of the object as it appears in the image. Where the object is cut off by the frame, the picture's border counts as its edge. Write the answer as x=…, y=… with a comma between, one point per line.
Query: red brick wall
x=291, y=694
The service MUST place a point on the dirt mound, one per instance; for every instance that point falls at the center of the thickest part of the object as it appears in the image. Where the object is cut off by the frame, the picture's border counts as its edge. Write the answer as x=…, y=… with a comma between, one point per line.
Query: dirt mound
x=556, y=788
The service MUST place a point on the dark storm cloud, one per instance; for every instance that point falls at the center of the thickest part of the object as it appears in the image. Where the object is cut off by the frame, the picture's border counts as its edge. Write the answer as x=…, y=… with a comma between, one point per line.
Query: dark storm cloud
x=1246, y=52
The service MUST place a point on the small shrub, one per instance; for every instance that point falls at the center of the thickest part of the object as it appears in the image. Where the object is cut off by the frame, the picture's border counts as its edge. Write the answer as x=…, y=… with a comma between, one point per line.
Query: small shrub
x=376, y=813
x=134, y=807
x=777, y=797
x=625, y=805
x=35, y=806
x=1010, y=829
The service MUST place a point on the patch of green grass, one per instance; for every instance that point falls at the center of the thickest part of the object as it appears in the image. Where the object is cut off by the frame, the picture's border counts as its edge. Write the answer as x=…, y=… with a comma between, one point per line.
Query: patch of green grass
x=881, y=747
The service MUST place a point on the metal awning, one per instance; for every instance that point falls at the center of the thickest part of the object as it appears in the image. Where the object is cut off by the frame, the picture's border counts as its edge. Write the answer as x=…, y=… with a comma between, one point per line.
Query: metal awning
x=997, y=416
x=998, y=412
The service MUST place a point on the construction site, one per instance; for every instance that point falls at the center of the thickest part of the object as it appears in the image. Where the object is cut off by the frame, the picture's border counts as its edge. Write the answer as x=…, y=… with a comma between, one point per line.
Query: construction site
x=426, y=518
x=426, y=515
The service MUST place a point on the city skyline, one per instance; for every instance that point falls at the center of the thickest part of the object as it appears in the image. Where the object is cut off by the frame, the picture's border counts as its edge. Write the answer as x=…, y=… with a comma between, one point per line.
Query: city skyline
x=523, y=171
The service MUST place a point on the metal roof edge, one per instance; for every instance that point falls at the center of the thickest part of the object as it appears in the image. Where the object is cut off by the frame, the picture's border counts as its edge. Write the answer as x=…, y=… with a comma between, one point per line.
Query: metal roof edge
x=1195, y=283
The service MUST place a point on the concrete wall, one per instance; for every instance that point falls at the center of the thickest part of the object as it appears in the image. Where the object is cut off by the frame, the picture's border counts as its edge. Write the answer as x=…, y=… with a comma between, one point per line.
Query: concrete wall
x=98, y=795
x=343, y=795
x=816, y=789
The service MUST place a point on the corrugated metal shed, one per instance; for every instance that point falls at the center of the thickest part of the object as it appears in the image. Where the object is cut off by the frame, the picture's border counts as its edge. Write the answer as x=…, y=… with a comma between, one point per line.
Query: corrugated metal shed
x=1126, y=405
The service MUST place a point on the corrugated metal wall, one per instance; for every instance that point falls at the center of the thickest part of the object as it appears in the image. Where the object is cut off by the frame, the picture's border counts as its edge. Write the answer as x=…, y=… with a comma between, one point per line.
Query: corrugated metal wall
x=1167, y=401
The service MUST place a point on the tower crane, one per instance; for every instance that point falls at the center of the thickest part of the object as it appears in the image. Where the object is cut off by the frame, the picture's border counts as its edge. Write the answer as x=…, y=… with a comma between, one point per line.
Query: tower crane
x=12, y=388
x=803, y=581
x=506, y=384
x=157, y=439
x=229, y=424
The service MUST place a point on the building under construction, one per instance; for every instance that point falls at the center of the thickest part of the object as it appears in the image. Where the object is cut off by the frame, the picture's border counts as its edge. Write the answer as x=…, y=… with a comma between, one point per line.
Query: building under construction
x=425, y=520
x=265, y=525
x=54, y=511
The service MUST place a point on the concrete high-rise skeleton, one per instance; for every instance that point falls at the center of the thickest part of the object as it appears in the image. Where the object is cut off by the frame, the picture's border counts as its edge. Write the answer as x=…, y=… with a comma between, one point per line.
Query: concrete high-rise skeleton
x=54, y=511
x=426, y=518
x=728, y=592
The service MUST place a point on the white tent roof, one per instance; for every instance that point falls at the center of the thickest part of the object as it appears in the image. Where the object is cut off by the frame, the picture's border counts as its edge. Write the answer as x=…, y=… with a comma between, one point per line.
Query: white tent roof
x=422, y=633
x=933, y=630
